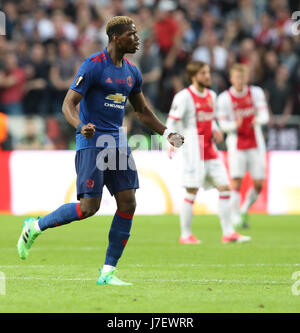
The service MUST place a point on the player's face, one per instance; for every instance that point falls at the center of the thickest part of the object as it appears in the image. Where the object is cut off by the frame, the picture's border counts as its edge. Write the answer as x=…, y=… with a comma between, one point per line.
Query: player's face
x=129, y=40
x=203, y=77
x=239, y=79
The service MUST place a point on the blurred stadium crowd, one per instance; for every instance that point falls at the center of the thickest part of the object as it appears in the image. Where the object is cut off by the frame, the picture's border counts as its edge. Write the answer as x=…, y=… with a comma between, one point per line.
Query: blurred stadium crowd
x=46, y=40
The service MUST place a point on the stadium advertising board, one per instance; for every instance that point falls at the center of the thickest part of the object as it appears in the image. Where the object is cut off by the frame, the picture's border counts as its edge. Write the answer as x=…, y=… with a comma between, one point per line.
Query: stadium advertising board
x=49, y=180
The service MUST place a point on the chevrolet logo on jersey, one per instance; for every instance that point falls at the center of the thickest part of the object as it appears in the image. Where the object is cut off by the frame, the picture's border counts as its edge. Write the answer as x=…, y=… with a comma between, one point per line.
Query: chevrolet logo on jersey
x=117, y=98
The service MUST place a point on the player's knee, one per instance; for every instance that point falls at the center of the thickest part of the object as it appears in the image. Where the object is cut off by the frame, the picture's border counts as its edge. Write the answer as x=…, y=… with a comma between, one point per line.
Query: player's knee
x=236, y=184
x=258, y=186
x=88, y=210
x=224, y=188
x=127, y=206
x=192, y=190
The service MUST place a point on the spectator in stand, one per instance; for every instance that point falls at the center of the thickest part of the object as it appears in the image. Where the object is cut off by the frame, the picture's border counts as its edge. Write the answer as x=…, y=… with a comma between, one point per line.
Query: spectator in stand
x=4, y=47
x=295, y=81
x=167, y=36
x=247, y=48
x=88, y=29
x=32, y=139
x=12, y=86
x=193, y=12
x=208, y=23
x=64, y=29
x=211, y=52
x=283, y=20
x=232, y=36
x=150, y=66
x=62, y=73
x=44, y=27
x=287, y=56
x=269, y=64
x=36, y=100
x=246, y=14
x=11, y=19
x=264, y=33
x=21, y=50
x=278, y=93
x=166, y=27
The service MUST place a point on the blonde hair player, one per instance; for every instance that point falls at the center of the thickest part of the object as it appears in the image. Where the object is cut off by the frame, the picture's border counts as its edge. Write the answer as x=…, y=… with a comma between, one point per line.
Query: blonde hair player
x=192, y=111
x=241, y=111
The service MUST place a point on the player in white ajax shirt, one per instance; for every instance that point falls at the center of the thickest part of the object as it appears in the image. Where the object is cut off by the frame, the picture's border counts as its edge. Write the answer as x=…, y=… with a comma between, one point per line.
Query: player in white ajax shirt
x=241, y=111
x=192, y=112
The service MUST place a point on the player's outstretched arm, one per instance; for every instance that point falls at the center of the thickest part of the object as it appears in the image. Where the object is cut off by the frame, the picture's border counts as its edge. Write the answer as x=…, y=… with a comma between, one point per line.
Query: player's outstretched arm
x=149, y=119
x=70, y=112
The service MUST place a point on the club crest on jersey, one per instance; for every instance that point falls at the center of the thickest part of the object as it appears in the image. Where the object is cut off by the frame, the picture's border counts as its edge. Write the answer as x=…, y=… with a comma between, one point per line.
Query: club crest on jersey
x=79, y=80
x=117, y=98
x=129, y=81
x=89, y=183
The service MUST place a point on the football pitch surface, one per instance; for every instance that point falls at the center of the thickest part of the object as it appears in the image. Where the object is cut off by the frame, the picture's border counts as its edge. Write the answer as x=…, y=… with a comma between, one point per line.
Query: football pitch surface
x=61, y=271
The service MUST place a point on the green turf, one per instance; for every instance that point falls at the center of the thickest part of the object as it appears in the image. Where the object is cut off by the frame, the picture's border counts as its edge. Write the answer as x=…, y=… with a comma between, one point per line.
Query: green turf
x=61, y=271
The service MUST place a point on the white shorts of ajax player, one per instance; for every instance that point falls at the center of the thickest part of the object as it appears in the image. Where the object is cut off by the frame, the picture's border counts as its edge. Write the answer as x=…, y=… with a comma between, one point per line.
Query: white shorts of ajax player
x=252, y=160
x=197, y=172
x=215, y=174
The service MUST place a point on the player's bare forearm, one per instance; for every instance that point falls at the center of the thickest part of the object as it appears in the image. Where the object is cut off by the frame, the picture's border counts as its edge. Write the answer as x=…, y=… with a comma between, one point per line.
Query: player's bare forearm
x=149, y=119
x=145, y=115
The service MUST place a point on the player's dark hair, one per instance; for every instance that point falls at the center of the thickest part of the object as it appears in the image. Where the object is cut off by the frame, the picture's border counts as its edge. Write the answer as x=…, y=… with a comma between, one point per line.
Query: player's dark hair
x=117, y=25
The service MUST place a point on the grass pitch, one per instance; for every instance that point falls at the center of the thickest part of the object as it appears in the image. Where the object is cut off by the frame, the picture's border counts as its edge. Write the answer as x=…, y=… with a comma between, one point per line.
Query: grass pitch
x=61, y=271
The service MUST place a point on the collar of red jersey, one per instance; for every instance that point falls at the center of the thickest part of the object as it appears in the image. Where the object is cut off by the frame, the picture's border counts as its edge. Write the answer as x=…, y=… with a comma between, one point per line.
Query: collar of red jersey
x=235, y=93
x=195, y=91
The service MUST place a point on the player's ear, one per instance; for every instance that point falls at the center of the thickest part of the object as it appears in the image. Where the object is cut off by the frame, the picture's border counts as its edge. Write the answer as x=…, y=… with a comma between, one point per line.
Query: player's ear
x=115, y=38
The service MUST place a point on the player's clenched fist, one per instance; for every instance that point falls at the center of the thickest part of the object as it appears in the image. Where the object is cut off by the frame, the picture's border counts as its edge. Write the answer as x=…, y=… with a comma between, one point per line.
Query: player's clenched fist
x=176, y=140
x=88, y=130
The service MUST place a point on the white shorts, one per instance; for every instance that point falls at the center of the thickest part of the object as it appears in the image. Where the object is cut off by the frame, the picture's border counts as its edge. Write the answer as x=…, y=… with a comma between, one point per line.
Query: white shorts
x=213, y=174
x=252, y=160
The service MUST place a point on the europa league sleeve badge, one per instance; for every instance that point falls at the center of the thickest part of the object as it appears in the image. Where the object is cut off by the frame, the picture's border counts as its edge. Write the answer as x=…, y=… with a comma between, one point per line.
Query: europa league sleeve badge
x=79, y=81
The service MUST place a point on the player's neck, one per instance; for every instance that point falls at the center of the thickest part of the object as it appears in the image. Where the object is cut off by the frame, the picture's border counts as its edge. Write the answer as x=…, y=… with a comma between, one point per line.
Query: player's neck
x=115, y=56
x=239, y=89
x=199, y=88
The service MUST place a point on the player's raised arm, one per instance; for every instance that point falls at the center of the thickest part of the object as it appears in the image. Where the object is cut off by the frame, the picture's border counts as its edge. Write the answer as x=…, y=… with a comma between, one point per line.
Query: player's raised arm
x=149, y=119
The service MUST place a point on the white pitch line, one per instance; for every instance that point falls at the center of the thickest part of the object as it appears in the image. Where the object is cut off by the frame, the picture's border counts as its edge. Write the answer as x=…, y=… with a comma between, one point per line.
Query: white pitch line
x=156, y=265
x=84, y=248
x=216, y=265
x=246, y=282
x=99, y=248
